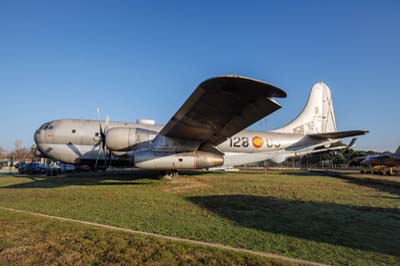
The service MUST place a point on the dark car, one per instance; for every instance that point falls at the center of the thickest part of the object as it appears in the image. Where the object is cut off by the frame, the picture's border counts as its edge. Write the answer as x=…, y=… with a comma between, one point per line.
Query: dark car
x=19, y=164
x=82, y=168
x=30, y=168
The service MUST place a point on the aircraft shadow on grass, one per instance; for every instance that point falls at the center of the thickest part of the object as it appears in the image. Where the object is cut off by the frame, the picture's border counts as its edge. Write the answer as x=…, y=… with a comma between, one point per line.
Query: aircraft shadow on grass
x=364, y=228
x=93, y=179
x=380, y=185
x=84, y=179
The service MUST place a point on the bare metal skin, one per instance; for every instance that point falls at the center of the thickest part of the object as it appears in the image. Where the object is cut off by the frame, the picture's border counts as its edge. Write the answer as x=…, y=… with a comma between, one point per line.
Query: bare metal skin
x=202, y=134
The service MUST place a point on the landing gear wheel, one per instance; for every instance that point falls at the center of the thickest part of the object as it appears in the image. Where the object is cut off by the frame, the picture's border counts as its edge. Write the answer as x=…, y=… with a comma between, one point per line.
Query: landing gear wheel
x=169, y=175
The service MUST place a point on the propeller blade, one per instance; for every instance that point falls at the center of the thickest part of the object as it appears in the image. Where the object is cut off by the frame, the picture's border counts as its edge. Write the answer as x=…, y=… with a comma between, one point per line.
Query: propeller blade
x=98, y=114
x=107, y=159
x=103, y=148
x=97, y=159
x=107, y=122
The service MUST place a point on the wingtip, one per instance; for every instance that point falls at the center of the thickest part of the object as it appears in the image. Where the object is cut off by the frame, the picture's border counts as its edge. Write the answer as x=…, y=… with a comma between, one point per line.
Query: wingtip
x=275, y=91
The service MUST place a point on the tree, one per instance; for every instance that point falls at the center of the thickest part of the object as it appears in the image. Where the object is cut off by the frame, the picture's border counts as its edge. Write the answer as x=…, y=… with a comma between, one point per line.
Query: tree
x=22, y=153
x=3, y=153
x=339, y=158
x=18, y=149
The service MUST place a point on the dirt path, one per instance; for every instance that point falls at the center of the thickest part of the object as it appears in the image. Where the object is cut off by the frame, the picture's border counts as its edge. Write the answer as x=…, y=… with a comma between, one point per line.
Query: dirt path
x=175, y=239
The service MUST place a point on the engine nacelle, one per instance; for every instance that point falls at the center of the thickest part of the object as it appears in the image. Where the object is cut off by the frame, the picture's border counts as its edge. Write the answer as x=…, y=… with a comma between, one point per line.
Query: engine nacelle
x=121, y=138
x=148, y=159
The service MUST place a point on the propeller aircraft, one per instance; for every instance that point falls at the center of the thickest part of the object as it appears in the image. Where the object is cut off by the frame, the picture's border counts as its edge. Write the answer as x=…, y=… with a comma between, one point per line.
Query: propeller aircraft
x=207, y=132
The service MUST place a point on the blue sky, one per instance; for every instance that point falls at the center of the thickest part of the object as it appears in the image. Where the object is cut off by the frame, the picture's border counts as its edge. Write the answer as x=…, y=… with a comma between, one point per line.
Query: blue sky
x=143, y=59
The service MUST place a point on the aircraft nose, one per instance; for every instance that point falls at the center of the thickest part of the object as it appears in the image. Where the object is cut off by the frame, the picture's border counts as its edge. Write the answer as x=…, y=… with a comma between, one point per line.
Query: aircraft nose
x=38, y=137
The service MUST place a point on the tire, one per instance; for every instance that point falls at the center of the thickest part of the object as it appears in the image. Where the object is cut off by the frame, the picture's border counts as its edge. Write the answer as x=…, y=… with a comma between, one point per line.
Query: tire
x=169, y=175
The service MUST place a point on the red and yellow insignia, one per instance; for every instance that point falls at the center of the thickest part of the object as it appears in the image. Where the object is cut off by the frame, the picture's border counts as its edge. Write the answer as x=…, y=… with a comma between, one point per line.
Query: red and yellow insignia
x=257, y=142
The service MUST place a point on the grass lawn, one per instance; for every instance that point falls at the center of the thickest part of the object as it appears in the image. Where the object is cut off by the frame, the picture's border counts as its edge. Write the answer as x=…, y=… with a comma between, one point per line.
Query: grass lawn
x=29, y=240
x=348, y=219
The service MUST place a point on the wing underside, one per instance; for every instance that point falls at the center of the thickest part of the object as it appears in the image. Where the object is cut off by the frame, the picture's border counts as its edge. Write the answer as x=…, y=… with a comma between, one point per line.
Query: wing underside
x=220, y=107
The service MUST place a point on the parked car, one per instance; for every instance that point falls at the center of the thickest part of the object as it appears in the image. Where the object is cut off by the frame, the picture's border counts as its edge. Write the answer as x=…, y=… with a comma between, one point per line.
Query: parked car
x=82, y=168
x=18, y=164
x=30, y=168
x=21, y=168
x=66, y=168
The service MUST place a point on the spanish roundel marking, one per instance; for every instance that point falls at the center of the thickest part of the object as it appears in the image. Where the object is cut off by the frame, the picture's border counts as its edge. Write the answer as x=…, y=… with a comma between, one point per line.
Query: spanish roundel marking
x=257, y=142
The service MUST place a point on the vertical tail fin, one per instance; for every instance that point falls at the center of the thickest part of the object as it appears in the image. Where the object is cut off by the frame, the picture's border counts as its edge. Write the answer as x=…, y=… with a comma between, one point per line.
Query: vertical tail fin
x=398, y=150
x=317, y=116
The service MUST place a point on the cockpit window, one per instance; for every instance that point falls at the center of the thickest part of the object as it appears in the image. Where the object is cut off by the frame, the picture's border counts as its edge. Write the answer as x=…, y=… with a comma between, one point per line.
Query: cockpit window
x=47, y=126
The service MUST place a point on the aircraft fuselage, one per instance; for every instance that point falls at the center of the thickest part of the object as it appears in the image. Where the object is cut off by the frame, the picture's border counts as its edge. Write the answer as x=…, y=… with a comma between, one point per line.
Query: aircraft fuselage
x=77, y=141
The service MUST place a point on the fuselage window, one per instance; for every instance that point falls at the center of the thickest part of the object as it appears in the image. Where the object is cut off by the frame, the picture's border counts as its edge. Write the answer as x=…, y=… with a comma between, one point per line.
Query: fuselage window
x=73, y=131
x=97, y=134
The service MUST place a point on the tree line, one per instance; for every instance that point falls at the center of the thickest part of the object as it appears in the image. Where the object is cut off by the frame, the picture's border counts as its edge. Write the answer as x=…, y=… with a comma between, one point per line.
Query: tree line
x=19, y=152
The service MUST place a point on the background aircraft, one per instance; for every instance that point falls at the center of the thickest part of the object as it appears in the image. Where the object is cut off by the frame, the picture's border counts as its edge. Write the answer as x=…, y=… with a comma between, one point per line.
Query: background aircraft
x=383, y=163
x=206, y=132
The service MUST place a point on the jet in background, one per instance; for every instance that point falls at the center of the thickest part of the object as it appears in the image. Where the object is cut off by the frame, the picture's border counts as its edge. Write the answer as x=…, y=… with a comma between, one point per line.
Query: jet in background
x=206, y=132
x=382, y=163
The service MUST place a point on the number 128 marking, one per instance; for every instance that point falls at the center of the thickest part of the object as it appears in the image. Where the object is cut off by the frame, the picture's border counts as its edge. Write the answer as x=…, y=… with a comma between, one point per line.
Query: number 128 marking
x=238, y=142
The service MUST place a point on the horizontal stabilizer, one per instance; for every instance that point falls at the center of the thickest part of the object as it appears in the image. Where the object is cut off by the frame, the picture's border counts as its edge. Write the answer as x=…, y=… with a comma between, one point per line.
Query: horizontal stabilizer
x=341, y=147
x=338, y=135
x=322, y=150
x=309, y=145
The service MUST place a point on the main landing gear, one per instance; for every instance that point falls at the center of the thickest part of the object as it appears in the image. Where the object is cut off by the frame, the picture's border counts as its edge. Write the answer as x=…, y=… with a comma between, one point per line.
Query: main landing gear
x=169, y=175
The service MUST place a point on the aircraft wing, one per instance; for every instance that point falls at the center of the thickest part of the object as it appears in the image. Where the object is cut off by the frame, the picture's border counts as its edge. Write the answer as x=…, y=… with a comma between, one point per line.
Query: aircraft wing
x=220, y=107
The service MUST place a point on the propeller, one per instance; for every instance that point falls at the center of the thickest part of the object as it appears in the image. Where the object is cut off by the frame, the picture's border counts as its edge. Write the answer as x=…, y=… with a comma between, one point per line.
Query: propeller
x=102, y=141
